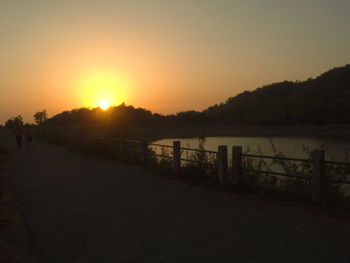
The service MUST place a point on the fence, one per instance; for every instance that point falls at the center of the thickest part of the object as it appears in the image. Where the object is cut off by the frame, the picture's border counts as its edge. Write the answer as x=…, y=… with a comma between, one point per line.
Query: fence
x=236, y=176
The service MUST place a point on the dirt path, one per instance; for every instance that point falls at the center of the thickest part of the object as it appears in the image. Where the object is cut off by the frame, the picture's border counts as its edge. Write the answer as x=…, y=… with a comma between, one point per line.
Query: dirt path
x=14, y=245
x=80, y=209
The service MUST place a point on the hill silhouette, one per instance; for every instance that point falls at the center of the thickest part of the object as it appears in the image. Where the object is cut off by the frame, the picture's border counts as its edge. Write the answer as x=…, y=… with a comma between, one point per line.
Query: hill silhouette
x=323, y=100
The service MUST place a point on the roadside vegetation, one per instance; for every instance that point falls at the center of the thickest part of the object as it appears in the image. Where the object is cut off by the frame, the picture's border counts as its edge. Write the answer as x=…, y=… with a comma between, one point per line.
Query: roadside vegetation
x=337, y=193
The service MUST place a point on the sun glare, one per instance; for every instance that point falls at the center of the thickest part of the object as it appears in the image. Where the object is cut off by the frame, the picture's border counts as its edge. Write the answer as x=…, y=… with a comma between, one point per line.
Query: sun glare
x=104, y=104
x=103, y=89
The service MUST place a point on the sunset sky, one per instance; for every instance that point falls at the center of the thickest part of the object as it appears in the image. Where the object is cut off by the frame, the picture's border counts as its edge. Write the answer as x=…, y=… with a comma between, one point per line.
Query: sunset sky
x=166, y=56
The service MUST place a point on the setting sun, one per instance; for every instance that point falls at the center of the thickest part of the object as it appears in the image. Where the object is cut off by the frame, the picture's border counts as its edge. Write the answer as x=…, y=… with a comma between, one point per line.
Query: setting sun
x=104, y=104
x=103, y=88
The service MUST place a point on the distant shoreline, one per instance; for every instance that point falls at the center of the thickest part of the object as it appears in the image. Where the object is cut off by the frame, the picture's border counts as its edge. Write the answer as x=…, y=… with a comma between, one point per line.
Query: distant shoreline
x=329, y=131
x=158, y=131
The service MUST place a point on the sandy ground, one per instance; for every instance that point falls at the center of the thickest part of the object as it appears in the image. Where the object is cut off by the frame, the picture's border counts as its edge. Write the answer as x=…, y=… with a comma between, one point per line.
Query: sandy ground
x=81, y=209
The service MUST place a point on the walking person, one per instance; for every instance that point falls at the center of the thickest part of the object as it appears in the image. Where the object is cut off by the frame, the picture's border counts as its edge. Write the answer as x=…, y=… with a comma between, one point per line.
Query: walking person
x=18, y=135
x=28, y=133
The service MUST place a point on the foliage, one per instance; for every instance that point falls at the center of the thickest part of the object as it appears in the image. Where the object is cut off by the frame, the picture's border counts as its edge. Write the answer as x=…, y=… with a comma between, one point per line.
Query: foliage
x=336, y=193
x=321, y=100
x=118, y=115
x=165, y=161
x=283, y=166
x=14, y=122
x=40, y=117
x=324, y=99
x=201, y=165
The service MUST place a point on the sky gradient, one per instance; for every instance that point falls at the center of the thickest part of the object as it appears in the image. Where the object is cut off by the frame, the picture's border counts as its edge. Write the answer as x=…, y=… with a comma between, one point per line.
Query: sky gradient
x=166, y=56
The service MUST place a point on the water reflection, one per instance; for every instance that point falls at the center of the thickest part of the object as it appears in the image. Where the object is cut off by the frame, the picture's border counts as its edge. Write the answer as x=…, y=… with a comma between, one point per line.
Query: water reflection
x=294, y=147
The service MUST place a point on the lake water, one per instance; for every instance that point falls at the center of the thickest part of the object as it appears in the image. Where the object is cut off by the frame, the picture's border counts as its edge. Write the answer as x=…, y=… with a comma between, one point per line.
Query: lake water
x=294, y=147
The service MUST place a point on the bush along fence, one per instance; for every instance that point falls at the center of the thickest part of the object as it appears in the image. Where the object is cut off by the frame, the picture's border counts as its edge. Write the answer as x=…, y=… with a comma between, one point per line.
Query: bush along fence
x=315, y=176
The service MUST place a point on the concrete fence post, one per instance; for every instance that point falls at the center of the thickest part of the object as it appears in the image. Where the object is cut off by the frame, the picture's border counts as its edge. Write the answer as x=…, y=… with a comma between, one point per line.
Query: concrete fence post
x=222, y=164
x=318, y=173
x=144, y=152
x=177, y=156
x=237, y=175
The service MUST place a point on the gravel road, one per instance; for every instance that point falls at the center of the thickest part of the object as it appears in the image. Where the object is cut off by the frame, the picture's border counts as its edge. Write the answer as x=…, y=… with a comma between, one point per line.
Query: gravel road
x=81, y=209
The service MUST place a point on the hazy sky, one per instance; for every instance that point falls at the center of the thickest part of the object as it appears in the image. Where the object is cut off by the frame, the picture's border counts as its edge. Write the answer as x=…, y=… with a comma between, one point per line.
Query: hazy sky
x=166, y=56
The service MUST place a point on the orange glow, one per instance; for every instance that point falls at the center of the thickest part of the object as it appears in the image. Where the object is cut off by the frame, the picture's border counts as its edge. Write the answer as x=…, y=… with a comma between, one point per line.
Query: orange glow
x=103, y=89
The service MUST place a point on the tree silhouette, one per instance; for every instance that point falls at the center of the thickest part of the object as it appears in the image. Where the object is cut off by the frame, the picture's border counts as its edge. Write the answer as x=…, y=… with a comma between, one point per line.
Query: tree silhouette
x=325, y=99
x=40, y=117
x=14, y=122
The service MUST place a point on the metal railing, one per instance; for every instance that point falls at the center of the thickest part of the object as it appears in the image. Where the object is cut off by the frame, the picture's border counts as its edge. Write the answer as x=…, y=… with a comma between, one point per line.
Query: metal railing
x=181, y=149
x=316, y=164
x=325, y=164
x=162, y=146
x=148, y=145
x=345, y=171
x=278, y=158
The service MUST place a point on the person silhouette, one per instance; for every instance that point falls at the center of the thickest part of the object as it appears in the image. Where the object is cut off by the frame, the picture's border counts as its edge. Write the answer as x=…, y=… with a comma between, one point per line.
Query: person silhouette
x=28, y=133
x=18, y=135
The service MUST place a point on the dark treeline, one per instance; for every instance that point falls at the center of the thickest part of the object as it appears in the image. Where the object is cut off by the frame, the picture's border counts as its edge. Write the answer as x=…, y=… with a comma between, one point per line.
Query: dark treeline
x=122, y=115
x=325, y=99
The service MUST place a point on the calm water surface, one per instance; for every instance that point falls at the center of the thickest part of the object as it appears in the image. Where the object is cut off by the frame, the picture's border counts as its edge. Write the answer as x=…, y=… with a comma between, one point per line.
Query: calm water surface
x=295, y=147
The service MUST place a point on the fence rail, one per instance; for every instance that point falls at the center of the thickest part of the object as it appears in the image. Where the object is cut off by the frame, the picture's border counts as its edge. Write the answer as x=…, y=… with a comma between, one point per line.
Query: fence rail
x=198, y=150
x=337, y=163
x=277, y=158
x=318, y=164
x=276, y=173
x=160, y=145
